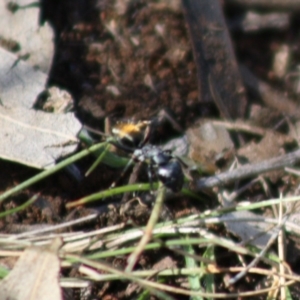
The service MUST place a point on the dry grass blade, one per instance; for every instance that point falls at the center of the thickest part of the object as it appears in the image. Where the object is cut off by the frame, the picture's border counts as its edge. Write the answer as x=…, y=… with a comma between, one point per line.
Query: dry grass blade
x=148, y=232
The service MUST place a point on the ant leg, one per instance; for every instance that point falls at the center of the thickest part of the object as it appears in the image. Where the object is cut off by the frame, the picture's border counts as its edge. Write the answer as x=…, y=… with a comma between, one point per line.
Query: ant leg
x=147, y=133
x=132, y=179
x=123, y=173
x=165, y=116
x=150, y=176
x=107, y=129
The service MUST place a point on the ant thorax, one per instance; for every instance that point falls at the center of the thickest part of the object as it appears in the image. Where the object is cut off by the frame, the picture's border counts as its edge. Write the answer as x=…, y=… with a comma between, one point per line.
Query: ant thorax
x=153, y=154
x=161, y=165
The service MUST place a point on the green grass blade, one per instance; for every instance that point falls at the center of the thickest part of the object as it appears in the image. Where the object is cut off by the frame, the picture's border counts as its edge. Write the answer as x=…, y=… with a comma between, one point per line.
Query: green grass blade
x=18, y=208
x=47, y=173
x=194, y=279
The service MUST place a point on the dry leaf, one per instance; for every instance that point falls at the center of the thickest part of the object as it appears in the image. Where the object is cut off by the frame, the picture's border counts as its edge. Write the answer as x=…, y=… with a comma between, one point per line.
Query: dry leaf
x=35, y=275
x=31, y=137
x=36, y=138
x=256, y=233
x=271, y=145
x=20, y=83
x=21, y=27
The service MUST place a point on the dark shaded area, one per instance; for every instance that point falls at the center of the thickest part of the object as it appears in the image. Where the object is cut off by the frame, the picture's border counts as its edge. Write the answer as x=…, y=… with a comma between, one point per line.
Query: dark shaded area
x=218, y=73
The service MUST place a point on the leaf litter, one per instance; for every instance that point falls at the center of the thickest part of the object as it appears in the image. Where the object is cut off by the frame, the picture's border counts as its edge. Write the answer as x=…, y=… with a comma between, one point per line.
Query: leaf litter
x=128, y=91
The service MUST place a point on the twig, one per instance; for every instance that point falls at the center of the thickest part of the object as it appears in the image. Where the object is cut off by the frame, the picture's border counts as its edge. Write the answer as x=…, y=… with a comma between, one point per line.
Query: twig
x=53, y=228
x=249, y=170
x=271, y=97
x=241, y=126
x=271, y=4
x=261, y=254
x=241, y=190
x=253, y=21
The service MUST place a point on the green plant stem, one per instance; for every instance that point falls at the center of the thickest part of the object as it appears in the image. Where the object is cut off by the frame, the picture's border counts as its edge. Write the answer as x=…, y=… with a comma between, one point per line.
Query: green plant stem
x=18, y=208
x=51, y=171
x=98, y=160
x=110, y=193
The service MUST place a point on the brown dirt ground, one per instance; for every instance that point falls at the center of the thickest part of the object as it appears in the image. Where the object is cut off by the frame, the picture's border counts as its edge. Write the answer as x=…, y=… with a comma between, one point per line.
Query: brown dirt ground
x=122, y=64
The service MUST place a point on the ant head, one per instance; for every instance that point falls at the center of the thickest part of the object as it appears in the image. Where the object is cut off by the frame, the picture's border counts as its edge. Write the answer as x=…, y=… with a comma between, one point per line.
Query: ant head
x=132, y=135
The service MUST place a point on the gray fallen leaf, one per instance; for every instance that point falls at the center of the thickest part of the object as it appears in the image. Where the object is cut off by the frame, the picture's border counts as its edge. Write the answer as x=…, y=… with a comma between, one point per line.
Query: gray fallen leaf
x=22, y=27
x=36, y=138
x=20, y=83
x=256, y=233
x=35, y=276
x=28, y=136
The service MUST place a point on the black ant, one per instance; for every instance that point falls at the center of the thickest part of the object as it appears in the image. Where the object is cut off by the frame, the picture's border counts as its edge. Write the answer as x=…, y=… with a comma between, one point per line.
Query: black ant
x=132, y=138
